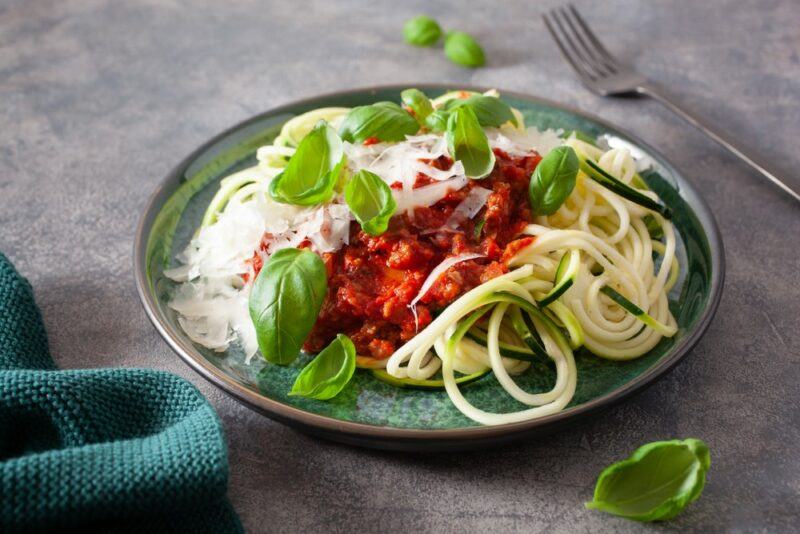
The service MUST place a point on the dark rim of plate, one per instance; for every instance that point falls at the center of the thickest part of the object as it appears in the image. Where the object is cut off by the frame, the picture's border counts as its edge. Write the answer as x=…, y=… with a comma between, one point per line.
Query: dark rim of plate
x=361, y=432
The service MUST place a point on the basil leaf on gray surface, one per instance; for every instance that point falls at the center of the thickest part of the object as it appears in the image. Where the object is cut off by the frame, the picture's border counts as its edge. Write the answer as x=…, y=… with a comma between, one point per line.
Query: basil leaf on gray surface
x=656, y=483
x=285, y=302
x=371, y=201
x=422, y=31
x=553, y=180
x=461, y=48
x=312, y=171
x=468, y=144
x=490, y=110
x=385, y=121
x=329, y=372
x=418, y=102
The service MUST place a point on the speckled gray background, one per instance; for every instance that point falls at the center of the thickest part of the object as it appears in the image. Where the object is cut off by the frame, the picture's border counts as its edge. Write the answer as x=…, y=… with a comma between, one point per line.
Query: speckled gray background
x=99, y=99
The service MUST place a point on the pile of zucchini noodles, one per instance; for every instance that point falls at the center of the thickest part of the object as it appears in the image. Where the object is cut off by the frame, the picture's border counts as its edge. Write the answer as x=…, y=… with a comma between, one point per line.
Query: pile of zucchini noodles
x=587, y=279
x=595, y=256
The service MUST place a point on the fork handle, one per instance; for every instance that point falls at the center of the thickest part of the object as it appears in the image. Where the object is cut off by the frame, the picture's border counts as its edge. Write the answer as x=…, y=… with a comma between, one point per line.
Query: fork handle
x=745, y=155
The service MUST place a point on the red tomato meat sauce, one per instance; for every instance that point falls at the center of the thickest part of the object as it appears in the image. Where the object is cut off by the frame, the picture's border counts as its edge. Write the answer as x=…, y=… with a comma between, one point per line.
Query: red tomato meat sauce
x=372, y=280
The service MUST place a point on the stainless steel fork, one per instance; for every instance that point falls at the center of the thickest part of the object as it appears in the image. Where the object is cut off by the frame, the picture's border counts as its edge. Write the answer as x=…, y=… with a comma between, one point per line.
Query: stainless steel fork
x=603, y=74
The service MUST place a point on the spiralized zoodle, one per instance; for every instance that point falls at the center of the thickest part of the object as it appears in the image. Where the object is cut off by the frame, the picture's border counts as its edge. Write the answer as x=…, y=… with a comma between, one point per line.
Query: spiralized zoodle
x=586, y=278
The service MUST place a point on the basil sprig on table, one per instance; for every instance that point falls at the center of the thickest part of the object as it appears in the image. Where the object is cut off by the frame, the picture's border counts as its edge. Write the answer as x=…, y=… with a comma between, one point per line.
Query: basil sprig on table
x=461, y=48
x=285, y=301
x=468, y=144
x=329, y=372
x=385, y=121
x=490, y=110
x=312, y=171
x=656, y=483
x=371, y=201
x=418, y=103
x=553, y=180
x=422, y=31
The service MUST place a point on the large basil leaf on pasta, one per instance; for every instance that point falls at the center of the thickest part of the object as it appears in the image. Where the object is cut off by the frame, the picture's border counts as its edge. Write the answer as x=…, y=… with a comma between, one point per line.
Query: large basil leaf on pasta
x=285, y=302
x=553, y=180
x=656, y=483
x=468, y=144
x=385, y=121
x=312, y=171
x=371, y=201
x=490, y=110
x=329, y=372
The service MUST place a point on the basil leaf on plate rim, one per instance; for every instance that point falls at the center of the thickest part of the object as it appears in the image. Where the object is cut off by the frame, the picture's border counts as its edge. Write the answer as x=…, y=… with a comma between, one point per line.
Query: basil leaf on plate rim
x=461, y=48
x=285, y=301
x=422, y=31
x=329, y=372
x=312, y=171
x=656, y=483
x=385, y=121
x=371, y=201
x=468, y=144
x=553, y=180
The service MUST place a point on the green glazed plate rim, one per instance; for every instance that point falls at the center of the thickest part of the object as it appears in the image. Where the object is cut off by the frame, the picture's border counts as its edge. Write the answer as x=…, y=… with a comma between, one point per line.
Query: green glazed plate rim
x=412, y=438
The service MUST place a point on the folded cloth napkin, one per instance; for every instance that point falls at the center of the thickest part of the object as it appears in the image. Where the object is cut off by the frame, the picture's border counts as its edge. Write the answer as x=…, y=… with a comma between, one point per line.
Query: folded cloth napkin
x=110, y=450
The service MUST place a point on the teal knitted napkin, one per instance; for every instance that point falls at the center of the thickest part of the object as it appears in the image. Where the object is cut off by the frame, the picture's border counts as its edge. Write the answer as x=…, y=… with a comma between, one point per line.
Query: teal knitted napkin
x=111, y=450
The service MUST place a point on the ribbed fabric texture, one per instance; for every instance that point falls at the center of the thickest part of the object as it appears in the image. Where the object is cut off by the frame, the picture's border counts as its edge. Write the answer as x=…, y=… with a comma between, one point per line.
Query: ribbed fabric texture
x=107, y=450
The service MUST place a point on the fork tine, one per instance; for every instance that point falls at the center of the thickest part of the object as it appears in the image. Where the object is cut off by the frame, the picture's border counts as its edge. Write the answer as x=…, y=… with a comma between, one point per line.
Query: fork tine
x=597, y=57
x=563, y=49
x=593, y=38
x=590, y=65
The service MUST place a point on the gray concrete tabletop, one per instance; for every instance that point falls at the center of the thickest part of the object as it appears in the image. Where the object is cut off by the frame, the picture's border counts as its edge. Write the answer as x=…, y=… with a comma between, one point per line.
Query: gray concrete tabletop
x=99, y=99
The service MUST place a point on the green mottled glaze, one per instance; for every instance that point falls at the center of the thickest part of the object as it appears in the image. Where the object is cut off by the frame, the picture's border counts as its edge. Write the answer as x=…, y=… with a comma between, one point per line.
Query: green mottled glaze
x=365, y=399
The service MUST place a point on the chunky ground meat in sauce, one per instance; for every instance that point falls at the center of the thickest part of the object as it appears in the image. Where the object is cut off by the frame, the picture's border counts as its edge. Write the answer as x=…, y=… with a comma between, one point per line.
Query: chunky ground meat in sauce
x=372, y=280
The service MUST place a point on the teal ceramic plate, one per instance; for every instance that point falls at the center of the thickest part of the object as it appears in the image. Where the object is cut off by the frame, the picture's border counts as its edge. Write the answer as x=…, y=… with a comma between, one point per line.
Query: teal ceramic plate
x=370, y=412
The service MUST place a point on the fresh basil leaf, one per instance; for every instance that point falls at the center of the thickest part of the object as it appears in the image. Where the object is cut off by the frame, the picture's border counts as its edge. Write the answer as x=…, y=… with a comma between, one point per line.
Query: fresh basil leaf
x=468, y=143
x=418, y=103
x=461, y=48
x=385, y=121
x=329, y=372
x=371, y=201
x=285, y=301
x=422, y=31
x=312, y=171
x=490, y=110
x=437, y=121
x=656, y=483
x=553, y=180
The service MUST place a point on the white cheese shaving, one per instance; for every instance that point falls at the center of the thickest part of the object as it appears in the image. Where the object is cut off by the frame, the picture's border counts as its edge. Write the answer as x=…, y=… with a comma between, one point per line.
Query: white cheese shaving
x=212, y=300
x=427, y=195
x=469, y=207
x=438, y=271
x=519, y=143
